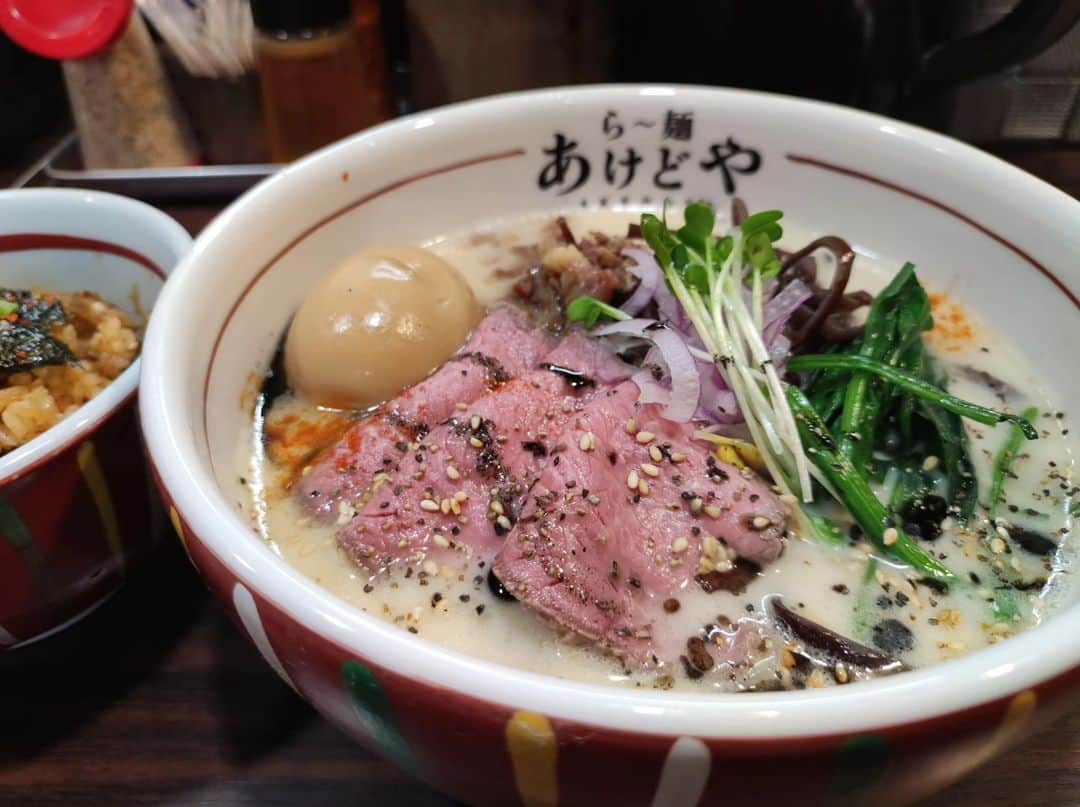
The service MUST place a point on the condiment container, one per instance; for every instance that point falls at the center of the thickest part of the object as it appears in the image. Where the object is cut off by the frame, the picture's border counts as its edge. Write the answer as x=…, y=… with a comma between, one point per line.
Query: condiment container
x=124, y=110
x=319, y=83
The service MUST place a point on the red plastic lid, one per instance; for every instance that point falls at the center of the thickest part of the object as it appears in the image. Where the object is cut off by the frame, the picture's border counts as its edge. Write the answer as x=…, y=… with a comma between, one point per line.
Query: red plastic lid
x=65, y=29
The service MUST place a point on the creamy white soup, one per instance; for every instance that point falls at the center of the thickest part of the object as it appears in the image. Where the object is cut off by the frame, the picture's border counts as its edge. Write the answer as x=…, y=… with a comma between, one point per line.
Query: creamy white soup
x=1010, y=573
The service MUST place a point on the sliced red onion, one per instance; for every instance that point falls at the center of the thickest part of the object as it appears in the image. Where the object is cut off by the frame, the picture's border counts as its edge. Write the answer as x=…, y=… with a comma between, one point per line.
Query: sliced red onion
x=671, y=311
x=652, y=391
x=681, y=367
x=780, y=352
x=649, y=275
x=778, y=310
x=666, y=305
x=717, y=403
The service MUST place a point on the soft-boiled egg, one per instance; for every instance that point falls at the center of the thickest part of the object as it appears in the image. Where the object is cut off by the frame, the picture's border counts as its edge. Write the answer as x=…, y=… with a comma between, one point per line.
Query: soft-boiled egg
x=381, y=321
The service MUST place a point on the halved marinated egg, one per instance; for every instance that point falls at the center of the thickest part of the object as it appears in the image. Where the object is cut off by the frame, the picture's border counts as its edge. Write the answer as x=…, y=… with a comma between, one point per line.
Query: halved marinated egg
x=379, y=322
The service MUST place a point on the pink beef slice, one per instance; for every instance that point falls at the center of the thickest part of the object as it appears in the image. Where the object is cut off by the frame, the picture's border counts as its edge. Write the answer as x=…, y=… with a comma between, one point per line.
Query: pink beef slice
x=599, y=559
x=456, y=496
x=502, y=346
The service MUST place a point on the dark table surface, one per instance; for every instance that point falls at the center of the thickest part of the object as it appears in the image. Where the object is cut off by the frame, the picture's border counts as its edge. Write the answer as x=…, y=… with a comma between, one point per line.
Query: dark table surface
x=157, y=699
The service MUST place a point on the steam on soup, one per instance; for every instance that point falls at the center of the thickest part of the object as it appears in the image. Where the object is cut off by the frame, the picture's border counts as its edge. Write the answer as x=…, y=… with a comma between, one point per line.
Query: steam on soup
x=678, y=458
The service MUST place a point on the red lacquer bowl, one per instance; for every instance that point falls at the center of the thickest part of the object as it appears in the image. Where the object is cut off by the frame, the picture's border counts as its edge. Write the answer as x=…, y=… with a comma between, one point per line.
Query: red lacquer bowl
x=75, y=502
x=1001, y=240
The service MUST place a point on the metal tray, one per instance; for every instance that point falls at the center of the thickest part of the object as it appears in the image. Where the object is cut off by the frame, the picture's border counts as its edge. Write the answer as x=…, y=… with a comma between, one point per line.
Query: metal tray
x=62, y=166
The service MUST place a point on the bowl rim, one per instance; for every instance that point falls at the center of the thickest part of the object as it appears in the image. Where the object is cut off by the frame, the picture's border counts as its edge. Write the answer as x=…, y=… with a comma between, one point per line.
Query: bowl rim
x=89, y=417
x=990, y=674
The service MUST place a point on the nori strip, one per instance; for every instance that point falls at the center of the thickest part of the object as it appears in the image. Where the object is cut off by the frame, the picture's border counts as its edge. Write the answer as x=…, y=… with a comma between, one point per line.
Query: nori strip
x=23, y=349
x=35, y=310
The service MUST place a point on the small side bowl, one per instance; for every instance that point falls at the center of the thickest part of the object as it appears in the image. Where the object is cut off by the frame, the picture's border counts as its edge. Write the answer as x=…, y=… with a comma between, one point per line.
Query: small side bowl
x=76, y=509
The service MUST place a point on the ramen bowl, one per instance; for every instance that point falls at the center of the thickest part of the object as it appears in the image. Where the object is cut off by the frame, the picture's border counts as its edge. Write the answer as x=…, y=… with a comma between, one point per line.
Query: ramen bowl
x=76, y=500
x=997, y=238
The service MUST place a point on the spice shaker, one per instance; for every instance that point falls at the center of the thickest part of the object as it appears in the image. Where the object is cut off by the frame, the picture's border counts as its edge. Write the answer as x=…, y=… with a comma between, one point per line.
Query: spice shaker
x=319, y=83
x=120, y=98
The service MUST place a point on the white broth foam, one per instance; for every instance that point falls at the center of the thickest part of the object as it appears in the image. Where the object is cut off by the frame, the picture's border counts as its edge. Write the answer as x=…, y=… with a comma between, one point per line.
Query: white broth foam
x=828, y=585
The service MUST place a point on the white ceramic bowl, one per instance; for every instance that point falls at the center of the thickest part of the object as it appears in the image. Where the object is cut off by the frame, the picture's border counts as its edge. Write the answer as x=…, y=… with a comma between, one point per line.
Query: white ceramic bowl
x=1003, y=241
x=78, y=490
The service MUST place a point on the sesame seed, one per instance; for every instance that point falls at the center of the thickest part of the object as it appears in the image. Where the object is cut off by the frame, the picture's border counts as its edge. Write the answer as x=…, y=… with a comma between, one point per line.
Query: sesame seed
x=710, y=547
x=593, y=499
x=761, y=522
x=997, y=546
x=712, y=511
x=587, y=441
x=695, y=505
x=444, y=505
x=430, y=568
x=455, y=506
x=787, y=659
x=631, y=426
x=504, y=522
x=452, y=472
x=656, y=454
x=497, y=507
x=645, y=437
x=461, y=496
x=678, y=456
x=650, y=469
x=930, y=463
x=679, y=545
x=1002, y=532
x=840, y=673
x=475, y=442
x=632, y=480
x=474, y=422
x=890, y=536
x=440, y=541
x=643, y=487
x=430, y=505
x=461, y=406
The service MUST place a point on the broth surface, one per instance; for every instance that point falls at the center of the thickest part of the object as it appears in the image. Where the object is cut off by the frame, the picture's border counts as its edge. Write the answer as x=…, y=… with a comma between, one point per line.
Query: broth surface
x=456, y=608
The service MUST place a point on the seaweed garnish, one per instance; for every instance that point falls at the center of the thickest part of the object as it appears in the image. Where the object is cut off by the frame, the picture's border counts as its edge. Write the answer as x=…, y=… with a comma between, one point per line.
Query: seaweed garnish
x=34, y=310
x=23, y=349
x=25, y=341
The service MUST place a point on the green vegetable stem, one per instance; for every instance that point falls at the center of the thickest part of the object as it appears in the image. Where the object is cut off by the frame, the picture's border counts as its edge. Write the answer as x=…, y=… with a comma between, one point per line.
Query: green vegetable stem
x=915, y=386
x=1004, y=460
x=855, y=493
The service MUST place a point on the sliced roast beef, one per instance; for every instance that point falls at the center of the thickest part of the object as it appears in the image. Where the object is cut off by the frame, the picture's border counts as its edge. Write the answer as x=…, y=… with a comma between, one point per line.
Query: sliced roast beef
x=503, y=345
x=457, y=491
x=635, y=510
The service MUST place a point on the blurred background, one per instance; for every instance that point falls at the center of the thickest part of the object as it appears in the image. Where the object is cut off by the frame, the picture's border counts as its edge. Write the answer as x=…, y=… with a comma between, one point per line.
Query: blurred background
x=222, y=83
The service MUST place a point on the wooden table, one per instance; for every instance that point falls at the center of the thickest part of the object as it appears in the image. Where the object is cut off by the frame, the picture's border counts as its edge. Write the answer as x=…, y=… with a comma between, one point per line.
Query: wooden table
x=157, y=699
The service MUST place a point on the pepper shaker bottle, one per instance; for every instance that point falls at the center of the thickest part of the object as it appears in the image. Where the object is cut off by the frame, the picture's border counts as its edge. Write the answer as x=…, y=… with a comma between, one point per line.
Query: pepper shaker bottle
x=124, y=109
